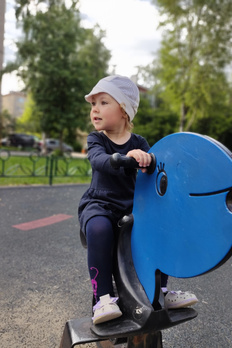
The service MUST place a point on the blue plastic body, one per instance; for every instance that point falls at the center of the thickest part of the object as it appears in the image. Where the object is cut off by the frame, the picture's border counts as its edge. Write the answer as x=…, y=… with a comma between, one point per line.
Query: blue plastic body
x=182, y=212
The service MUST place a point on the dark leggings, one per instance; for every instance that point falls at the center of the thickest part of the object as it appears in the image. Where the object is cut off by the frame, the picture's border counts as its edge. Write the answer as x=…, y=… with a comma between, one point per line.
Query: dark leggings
x=100, y=241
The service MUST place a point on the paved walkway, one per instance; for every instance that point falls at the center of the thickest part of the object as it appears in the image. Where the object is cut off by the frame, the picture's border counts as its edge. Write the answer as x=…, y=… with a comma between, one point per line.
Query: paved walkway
x=44, y=279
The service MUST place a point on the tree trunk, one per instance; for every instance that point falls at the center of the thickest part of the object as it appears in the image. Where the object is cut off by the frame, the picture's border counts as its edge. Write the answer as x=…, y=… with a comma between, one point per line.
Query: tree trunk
x=182, y=117
x=2, y=25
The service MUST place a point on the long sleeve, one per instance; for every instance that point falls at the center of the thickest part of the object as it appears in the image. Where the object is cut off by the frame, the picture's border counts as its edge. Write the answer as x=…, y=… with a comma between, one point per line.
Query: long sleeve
x=99, y=157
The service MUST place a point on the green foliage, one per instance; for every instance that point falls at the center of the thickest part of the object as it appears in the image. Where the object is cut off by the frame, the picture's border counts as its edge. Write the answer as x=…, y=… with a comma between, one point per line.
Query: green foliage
x=154, y=123
x=10, y=67
x=30, y=119
x=7, y=123
x=59, y=62
x=217, y=125
x=70, y=138
x=190, y=69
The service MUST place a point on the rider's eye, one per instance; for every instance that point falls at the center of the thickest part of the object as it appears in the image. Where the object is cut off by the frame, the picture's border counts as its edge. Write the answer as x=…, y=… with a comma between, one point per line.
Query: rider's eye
x=161, y=180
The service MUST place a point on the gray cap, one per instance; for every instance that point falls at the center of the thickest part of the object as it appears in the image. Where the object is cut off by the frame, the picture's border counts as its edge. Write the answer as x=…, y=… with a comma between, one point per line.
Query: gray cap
x=122, y=89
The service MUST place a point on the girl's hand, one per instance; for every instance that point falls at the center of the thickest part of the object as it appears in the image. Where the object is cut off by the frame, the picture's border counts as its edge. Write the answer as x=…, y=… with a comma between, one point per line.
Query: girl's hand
x=143, y=158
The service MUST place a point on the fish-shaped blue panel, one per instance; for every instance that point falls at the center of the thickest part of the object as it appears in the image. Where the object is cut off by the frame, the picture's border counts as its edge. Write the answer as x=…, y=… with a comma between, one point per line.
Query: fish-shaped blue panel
x=183, y=211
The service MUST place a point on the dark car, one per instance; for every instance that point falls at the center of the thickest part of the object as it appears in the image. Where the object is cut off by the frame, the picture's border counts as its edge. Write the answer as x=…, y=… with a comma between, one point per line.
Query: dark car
x=21, y=140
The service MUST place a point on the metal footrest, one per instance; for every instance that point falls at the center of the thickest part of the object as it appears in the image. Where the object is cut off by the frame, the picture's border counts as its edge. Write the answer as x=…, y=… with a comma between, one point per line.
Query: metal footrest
x=81, y=331
x=77, y=331
x=159, y=320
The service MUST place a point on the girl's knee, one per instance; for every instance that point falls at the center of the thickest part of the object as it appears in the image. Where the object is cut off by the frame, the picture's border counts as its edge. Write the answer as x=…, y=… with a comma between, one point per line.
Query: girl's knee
x=99, y=227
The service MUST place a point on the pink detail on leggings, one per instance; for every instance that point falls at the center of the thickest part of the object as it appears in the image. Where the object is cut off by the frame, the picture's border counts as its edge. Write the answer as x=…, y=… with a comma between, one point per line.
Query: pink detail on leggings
x=94, y=282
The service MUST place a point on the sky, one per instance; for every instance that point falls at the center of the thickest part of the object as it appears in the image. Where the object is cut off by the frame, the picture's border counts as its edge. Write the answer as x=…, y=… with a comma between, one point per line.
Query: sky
x=131, y=29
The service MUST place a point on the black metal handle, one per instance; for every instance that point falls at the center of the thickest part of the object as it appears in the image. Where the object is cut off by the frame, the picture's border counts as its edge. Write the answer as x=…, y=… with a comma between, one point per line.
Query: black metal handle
x=118, y=161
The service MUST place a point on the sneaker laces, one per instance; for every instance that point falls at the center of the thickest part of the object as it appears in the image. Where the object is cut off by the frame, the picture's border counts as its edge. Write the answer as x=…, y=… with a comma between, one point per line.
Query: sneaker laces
x=179, y=292
x=99, y=305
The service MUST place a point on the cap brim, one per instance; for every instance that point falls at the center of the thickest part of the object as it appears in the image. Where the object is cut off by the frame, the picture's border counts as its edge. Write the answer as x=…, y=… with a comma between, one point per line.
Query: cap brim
x=94, y=91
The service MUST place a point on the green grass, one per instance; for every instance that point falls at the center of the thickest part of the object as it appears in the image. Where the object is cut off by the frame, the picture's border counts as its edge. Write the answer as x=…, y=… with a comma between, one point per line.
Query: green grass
x=41, y=181
x=17, y=149
x=35, y=170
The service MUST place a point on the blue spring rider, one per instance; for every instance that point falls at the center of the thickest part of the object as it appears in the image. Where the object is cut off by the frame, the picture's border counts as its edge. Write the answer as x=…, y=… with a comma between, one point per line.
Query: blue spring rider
x=181, y=225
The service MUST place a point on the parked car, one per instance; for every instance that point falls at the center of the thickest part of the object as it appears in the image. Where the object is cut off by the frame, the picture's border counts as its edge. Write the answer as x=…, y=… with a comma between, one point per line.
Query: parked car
x=20, y=140
x=36, y=142
x=54, y=144
x=4, y=141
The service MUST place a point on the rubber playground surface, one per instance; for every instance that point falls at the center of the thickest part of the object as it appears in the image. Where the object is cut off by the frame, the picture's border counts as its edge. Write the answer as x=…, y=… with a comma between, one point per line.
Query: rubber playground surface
x=44, y=278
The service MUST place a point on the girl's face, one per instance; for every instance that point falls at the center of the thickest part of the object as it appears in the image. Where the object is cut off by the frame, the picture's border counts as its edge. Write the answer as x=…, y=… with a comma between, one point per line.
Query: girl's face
x=106, y=114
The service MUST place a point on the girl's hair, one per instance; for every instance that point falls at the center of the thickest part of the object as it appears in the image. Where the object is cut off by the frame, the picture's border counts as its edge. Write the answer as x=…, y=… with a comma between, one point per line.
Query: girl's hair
x=129, y=124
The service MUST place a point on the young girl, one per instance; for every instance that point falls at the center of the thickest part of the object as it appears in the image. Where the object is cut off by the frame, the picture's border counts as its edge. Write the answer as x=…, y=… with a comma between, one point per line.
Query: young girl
x=114, y=101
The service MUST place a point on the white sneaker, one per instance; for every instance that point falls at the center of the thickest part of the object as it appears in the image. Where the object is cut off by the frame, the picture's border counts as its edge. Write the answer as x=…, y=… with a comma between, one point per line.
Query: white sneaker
x=179, y=299
x=106, y=309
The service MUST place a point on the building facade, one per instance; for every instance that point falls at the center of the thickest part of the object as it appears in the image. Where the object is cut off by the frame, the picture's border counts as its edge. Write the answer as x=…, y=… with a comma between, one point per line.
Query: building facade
x=14, y=103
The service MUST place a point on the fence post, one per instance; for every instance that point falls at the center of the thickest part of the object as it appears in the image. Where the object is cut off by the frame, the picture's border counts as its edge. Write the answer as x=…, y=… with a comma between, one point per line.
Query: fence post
x=51, y=171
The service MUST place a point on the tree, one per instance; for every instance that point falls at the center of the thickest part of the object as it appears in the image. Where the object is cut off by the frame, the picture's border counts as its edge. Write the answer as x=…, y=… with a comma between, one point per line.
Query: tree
x=216, y=125
x=30, y=119
x=154, y=121
x=195, y=50
x=57, y=63
x=7, y=123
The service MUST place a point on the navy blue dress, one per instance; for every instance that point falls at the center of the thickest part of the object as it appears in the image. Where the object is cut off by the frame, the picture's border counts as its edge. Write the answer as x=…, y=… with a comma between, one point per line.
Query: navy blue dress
x=111, y=191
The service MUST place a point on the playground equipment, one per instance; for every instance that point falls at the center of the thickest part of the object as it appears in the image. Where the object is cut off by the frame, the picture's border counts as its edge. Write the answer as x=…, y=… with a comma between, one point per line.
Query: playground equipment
x=181, y=225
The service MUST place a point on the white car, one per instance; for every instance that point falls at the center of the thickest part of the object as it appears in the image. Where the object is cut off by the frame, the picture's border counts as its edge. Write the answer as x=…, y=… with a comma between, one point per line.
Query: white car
x=54, y=144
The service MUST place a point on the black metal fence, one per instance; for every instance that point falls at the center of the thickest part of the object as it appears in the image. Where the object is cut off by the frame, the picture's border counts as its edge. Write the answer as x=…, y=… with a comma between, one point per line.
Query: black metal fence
x=34, y=165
